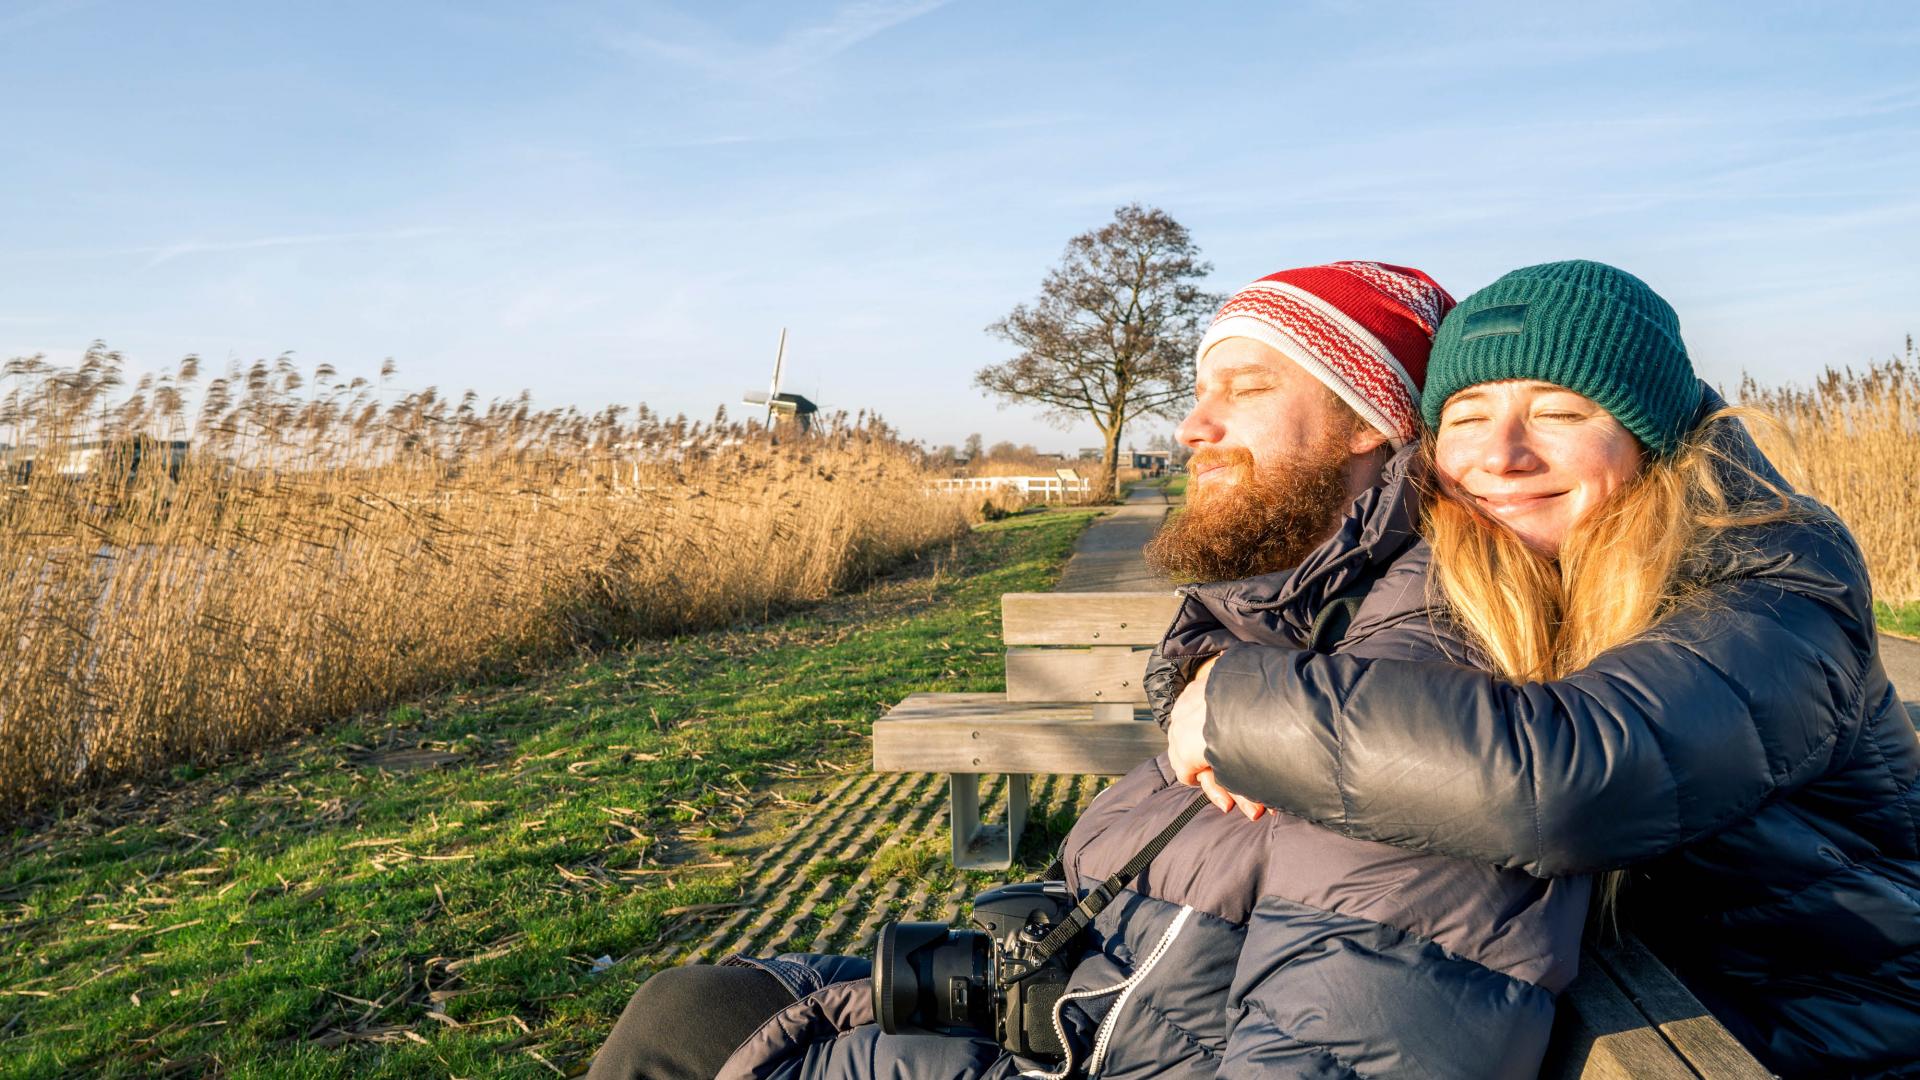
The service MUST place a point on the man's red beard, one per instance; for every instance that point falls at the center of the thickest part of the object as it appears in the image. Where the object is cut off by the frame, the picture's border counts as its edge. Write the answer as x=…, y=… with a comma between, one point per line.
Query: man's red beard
x=1271, y=519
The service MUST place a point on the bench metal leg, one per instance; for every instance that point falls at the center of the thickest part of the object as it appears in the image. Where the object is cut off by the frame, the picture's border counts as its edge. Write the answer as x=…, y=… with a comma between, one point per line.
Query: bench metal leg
x=985, y=847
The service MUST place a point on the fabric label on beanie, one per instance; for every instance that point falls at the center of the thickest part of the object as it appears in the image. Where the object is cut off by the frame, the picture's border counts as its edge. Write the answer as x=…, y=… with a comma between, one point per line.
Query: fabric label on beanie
x=1494, y=322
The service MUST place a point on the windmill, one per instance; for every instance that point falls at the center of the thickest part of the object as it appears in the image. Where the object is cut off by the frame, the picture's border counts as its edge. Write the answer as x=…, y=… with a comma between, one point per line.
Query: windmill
x=783, y=406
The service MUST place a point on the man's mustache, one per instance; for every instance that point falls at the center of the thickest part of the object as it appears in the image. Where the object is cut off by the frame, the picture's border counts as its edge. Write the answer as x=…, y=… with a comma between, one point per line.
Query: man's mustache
x=1207, y=459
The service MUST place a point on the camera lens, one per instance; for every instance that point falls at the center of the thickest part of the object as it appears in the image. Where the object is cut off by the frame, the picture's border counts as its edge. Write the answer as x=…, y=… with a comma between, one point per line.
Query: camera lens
x=930, y=977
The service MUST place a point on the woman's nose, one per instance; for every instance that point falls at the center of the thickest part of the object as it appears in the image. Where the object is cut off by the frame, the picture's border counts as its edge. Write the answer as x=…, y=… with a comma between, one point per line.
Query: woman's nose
x=1509, y=448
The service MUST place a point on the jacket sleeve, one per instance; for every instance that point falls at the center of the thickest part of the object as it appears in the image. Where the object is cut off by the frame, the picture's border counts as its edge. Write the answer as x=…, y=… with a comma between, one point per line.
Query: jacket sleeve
x=1163, y=681
x=1747, y=693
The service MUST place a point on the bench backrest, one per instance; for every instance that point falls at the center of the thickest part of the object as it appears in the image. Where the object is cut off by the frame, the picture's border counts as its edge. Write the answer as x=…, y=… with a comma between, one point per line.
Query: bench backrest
x=1082, y=647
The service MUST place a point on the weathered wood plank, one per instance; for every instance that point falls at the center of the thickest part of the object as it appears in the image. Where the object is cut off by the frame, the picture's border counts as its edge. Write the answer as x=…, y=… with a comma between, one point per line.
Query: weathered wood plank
x=985, y=733
x=1599, y=1034
x=1703, y=1041
x=1116, y=618
x=1108, y=676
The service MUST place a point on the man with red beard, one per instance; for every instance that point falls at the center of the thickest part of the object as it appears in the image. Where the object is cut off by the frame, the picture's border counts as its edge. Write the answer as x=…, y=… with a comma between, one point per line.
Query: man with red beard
x=1307, y=381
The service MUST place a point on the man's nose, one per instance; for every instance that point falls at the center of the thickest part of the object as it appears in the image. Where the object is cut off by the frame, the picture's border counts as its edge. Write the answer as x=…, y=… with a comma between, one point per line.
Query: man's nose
x=1200, y=428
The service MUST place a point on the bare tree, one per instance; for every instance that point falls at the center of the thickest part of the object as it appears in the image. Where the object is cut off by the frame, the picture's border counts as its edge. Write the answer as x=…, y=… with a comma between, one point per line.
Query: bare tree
x=1111, y=335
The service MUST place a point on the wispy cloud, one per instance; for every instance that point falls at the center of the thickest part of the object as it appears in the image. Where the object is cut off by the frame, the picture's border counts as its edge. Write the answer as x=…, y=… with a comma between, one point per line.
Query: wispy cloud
x=1011, y=123
x=168, y=252
x=696, y=45
x=848, y=27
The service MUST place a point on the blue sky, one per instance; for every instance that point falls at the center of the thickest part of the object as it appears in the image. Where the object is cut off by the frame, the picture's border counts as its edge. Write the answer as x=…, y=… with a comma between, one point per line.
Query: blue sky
x=626, y=202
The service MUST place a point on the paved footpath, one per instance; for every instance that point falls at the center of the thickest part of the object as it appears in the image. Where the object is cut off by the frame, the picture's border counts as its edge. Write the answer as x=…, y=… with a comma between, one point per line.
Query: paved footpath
x=1107, y=558
x=1902, y=658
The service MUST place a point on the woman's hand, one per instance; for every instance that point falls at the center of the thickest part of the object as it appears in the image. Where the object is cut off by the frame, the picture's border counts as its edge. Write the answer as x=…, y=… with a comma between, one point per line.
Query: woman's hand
x=1187, y=746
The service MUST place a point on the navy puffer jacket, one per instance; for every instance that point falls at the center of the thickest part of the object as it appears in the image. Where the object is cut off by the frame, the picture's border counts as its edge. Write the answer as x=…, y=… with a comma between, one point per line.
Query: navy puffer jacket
x=1748, y=759
x=1256, y=949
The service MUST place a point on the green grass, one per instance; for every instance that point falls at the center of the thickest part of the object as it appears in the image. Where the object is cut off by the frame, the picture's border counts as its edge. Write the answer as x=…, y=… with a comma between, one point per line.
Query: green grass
x=1171, y=485
x=424, y=893
x=1899, y=618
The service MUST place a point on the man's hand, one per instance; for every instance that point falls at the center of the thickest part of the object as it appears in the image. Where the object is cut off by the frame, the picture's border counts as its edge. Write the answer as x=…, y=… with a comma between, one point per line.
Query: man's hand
x=1187, y=747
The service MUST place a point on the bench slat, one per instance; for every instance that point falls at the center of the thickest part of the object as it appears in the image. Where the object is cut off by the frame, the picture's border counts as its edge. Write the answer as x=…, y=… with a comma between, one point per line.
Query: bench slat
x=984, y=733
x=1703, y=1041
x=1116, y=618
x=1599, y=1034
x=1105, y=676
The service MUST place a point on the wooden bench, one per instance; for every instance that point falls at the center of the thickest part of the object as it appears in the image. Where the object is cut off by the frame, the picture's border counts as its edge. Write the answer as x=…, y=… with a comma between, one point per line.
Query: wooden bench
x=1074, y=705
x=1627, y=1017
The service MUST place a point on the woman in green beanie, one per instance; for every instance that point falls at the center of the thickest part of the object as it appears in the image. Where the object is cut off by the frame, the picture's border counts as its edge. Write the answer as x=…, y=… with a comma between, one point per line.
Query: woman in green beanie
x=1674, y=680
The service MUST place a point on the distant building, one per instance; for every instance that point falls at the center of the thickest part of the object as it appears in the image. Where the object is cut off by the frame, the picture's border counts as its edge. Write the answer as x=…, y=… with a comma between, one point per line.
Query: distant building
x=19, y=464
x=1153, y=462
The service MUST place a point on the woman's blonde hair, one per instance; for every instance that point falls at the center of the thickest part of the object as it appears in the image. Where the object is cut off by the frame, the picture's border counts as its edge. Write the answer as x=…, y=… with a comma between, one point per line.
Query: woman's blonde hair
x=1621, y=569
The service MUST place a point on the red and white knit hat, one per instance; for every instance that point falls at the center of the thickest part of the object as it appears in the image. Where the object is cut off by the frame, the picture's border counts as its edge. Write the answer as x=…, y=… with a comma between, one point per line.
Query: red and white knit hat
x=1362, y=328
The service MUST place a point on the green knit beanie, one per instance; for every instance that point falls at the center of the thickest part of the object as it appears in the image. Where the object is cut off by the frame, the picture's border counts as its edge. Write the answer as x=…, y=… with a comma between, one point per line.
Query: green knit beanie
x=1587, y=326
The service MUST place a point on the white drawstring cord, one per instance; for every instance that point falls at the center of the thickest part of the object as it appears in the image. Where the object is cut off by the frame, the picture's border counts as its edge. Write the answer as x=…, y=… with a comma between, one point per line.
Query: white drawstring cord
x=1124, y=988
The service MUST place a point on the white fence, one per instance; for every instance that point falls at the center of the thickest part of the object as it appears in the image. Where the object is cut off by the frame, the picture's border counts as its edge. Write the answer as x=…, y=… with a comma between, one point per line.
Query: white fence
x=1044, y=488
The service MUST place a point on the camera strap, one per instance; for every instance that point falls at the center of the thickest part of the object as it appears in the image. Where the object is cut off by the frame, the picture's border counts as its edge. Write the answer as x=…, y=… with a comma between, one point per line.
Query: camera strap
x=1096, y=900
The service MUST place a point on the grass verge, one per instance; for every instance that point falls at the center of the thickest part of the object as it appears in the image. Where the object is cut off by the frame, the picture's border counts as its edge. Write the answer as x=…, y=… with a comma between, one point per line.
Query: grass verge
x=1902, y=619
x=429, y=892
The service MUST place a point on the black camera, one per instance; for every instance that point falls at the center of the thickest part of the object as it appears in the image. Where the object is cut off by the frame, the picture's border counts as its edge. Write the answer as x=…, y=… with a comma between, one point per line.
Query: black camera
x=995, y=981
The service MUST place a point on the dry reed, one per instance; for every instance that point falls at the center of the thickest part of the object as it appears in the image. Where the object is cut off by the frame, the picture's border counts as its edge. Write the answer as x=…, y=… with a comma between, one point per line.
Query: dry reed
x=1853, y=441
x=326, y=546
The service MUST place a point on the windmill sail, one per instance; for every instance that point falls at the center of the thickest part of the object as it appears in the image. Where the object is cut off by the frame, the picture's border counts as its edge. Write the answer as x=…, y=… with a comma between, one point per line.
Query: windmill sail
x=779, y=360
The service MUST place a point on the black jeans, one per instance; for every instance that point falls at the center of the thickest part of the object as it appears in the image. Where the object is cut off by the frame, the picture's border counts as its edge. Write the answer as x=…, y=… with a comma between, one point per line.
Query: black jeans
x=683, y=1023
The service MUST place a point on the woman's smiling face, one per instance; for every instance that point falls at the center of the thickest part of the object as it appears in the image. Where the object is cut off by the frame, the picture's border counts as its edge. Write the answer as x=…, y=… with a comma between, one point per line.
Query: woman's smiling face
x=1535, y=456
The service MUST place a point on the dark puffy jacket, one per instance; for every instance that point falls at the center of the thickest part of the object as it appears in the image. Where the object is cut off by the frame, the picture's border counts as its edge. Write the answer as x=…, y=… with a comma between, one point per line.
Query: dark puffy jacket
x=1257, y=949
x=1748, y=759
